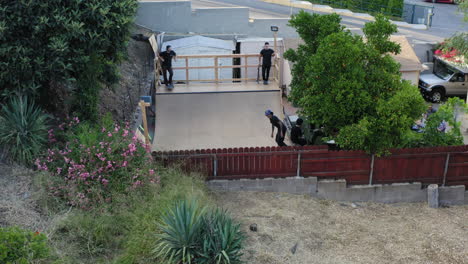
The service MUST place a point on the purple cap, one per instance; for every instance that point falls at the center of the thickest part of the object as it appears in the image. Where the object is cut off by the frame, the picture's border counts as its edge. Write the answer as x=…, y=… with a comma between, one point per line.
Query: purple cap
x=268, y=112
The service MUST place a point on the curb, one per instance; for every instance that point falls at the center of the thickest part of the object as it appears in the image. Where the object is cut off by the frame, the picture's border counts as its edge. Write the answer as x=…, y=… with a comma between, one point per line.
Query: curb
x=343, y=12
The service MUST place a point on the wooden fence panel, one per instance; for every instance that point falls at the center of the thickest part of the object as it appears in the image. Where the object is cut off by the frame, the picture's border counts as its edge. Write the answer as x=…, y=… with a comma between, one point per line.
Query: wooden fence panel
x=426, y=165
x=256, y=164
x=412, y=167
x=354, y=167
x=457, y=171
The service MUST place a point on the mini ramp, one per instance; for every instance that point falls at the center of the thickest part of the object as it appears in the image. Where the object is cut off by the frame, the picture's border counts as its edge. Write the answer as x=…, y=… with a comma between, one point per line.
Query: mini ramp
x=214, y=116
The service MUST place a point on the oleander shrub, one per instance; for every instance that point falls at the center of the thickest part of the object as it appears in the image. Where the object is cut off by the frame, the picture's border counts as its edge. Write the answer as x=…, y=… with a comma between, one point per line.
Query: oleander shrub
x=18, y=246
x=96, y=161
x=23, y=130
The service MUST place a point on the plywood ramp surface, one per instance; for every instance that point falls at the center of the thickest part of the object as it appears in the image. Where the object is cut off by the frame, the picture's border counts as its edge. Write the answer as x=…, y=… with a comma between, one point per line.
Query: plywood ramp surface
x=214, y=120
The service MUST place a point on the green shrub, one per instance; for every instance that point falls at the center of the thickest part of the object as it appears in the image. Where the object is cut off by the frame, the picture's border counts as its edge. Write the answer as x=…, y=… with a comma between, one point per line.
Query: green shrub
x=21, y=246
x=181, y=233
x=192, y=234
x=23, y=130
x=148, y=209
x=222, y=239
x=97, y=162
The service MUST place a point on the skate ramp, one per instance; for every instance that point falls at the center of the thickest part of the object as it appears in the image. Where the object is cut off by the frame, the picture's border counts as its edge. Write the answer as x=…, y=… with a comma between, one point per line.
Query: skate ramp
x=205, y=120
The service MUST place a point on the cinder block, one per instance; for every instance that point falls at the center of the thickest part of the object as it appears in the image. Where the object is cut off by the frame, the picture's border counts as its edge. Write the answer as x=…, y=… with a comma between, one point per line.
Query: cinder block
x=275, y=184
x=466, y=197
x=331, y=189
x=218, y=185
x=268, y=182
x=303, y=189
x=452, y=195
x=433, y=196
x=400, y=193
x=234, y=185
x=245, y=184
x=360, y=193
x=286, y=185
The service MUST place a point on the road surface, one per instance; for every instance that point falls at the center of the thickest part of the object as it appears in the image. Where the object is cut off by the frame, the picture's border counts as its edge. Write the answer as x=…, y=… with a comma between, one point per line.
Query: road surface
x=446, y=21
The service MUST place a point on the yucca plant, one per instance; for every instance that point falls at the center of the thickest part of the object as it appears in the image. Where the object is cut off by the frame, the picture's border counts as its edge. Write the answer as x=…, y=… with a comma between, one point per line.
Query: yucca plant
x=222, y=239
x=180, y=236
x=23, y=129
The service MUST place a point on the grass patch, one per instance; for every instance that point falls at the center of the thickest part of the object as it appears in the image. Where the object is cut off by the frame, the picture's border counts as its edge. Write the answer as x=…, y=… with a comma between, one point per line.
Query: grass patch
x=125, y=230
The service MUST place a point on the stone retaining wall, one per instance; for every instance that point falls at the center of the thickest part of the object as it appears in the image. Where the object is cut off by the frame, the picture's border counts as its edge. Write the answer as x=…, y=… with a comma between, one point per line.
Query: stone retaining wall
x=337, y=190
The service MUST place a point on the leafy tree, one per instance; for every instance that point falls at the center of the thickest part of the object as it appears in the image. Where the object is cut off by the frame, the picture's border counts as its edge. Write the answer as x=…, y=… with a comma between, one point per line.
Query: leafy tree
x=441, y=128
x=463, y=7
x=44, y=44
x=353, y=87
x=312, y=28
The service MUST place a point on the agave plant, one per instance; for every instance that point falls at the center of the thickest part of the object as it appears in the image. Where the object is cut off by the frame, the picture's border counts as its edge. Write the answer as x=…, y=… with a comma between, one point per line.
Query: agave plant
x=180, y=236
x=222, y=239
x=23, y=129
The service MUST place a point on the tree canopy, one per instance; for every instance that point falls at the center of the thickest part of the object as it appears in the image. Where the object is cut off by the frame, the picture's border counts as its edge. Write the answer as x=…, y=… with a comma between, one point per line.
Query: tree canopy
x=351, y=86
x=45, y=45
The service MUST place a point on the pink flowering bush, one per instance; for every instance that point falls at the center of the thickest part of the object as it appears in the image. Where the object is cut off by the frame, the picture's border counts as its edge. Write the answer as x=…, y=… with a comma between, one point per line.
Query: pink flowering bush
x=96, y=162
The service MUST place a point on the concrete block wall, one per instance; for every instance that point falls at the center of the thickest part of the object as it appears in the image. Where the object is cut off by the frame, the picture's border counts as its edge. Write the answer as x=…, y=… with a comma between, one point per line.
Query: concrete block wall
x=294, y=185
x=178, y=17
x=392, y=193
x=337, y=190
x=453, y=195
x=220, y=20
x=165, y=16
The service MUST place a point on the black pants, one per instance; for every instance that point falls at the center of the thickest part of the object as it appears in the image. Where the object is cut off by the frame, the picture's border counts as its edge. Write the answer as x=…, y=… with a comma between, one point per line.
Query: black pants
x=280, y=139
x=300, y=141
x=266, y=72
x=166, y=69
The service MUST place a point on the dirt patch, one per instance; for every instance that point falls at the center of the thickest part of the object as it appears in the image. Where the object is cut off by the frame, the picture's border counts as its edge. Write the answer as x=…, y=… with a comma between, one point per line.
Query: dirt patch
x=336, y=232
x=18, y=206
x=136, y=74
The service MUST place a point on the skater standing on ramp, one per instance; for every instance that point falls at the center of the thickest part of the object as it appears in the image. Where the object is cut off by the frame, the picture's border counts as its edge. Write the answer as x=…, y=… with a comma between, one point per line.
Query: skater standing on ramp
x=275, y=122
x=265, y=60
x=166, y=59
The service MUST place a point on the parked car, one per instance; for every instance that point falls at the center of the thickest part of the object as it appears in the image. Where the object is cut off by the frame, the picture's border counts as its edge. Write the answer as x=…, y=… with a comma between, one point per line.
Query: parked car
x=446, y=80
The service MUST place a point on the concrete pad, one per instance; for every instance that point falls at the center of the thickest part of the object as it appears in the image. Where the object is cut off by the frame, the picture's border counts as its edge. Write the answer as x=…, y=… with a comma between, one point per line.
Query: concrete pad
x=343, y=11
x=323, y=7
x=188, y=121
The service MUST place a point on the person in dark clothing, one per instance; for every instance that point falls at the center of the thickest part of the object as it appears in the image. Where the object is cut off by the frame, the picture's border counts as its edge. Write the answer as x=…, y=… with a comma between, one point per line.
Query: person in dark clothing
x=166, y=59
x=275, y=122
x=296, y=133
x=265, y=60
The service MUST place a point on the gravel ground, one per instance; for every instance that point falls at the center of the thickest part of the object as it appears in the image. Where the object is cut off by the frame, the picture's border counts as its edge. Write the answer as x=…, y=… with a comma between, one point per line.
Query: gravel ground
x=337, y=232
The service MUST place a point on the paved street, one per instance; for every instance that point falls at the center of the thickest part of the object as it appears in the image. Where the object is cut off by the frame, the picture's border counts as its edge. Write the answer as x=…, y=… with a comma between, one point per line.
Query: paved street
x=446, y=21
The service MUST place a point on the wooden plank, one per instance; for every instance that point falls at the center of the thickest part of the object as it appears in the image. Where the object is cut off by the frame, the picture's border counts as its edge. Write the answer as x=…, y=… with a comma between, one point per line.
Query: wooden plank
x=245, y=67
x=220, y=80
x=216, y=69
x=213, y=67
x=187, y=78
x=197, y=56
